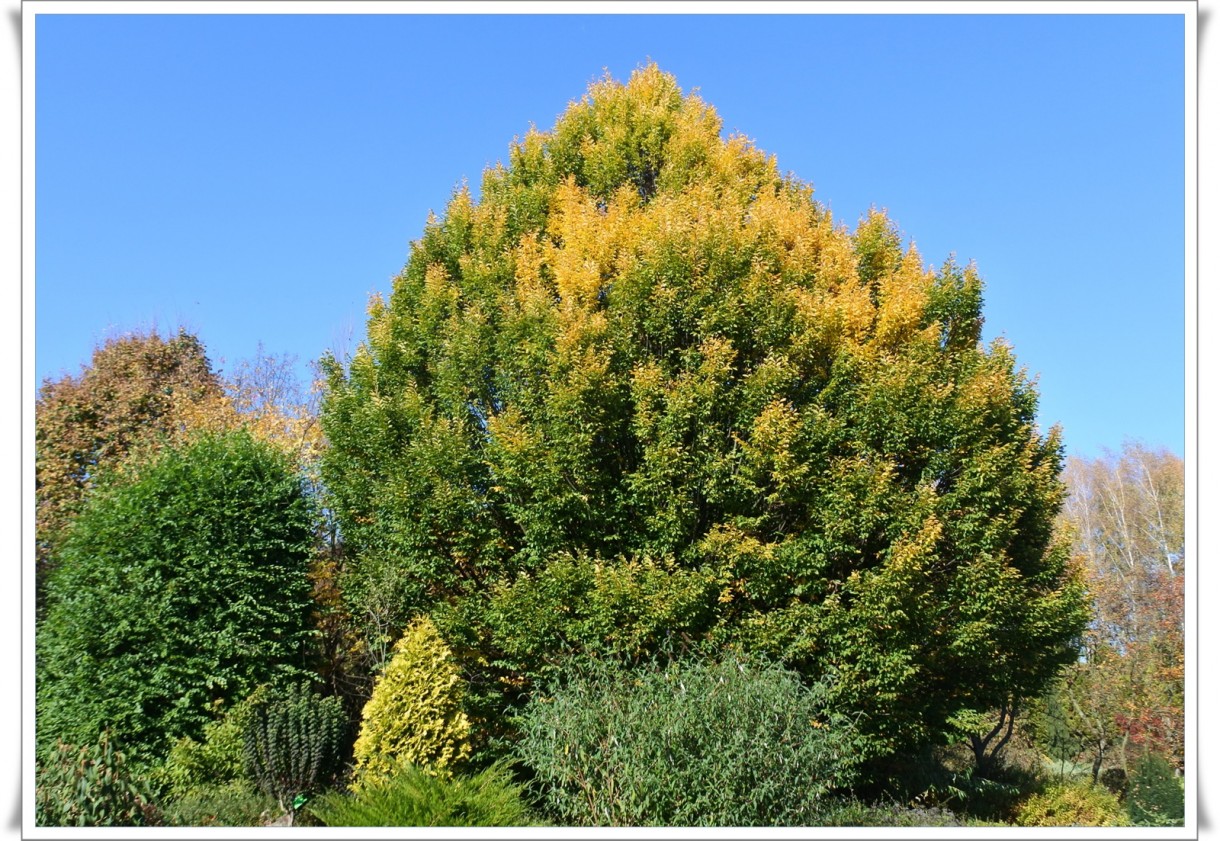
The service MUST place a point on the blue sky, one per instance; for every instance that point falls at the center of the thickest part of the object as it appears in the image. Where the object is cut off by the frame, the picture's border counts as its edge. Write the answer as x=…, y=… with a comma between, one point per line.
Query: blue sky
x=255, y=178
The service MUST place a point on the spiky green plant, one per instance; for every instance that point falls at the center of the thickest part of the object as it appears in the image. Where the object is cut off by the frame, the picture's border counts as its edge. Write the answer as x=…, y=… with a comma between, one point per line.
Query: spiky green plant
x=294, y=742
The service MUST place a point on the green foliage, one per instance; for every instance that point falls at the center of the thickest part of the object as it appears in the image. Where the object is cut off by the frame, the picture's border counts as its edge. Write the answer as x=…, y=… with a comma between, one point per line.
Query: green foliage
x=1072, y=803
x=294, y=742
x=411, y=796
x=181, y=587
x=136, y=391
x=642, y=345
x=216, y=758
x=415, y=715
x=621, y=607
x=90, y=785
x=233, y=803
x=1156, y=796
x=856, y=813
x=1050, y=724
x=737, y=742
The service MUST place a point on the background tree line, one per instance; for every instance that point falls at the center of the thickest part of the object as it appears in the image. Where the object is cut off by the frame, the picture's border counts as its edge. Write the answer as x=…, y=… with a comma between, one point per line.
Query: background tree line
x=642, y=416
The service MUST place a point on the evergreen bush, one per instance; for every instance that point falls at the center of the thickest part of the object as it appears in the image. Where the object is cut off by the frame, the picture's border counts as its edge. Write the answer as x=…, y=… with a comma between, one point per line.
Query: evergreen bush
x=415, y=714
x=410, y=796
x=1156, y=795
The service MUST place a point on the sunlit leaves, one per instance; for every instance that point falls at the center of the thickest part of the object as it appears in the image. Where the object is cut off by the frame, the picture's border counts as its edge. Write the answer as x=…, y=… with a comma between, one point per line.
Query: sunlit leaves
x=643, y=341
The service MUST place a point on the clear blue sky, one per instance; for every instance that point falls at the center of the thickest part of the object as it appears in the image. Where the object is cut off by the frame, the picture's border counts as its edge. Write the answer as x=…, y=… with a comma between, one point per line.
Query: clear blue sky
x=255, y=178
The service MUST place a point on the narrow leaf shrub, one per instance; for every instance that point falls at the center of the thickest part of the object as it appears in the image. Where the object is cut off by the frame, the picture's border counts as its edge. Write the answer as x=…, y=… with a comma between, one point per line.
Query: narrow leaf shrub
x=414, y=797
x=739, y=742
x=1156, y=796
x=415, y=715
x=1071, y=803
x=294, y=742
x=90, y=785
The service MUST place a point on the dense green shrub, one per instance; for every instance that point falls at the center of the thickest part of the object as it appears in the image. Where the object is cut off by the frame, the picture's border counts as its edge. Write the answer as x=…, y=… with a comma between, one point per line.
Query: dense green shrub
x=694, y=742
x=644, y=341
x=233, y=803
x=1071, y=803
x=576, y=603
x=294, y=742
x=90, y=785
x=410, y=796
x=218, y=757
x=180, y=587
x=415, y=714
x=1156, y=796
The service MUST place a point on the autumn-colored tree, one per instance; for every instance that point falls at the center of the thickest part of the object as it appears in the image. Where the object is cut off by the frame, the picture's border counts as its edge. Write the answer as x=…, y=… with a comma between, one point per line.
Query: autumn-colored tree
x=137, y=389
x=270, y=399
x=1127, y=511
x=644, y=346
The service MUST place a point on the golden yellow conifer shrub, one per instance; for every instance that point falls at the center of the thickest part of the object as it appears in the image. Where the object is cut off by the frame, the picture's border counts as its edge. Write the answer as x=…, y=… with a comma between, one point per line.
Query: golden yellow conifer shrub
x=415, y=715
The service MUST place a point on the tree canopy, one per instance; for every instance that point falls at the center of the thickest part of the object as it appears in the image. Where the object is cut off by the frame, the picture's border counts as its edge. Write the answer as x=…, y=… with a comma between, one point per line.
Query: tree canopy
x=644, y=354
x=180, y=587
x=138, y=388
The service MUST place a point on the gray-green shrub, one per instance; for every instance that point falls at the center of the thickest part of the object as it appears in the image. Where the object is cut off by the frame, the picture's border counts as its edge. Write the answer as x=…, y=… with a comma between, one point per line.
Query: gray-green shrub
x=695, y=742
x=233, y=803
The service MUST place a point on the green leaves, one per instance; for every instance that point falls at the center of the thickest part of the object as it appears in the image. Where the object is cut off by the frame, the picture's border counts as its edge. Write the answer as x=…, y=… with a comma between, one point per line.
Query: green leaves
x=294, y=742
x=738, y=742
x=180, y=585
x=645, y=342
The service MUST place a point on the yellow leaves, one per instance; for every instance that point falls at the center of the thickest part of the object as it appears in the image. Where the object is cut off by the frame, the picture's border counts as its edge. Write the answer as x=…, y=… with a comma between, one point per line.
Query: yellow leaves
x=438, y=288
x=903, y=298
x=587, y=238
x=836, y=262
x=414, y=716
x=784, y=226
x=770, y=449
x=989, y=387
x=910, y=552
x=533, y=293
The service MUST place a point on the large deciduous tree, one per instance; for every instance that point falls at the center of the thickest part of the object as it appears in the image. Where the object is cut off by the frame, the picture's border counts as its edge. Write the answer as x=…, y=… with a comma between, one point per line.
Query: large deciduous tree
x=181, y=586
x=645, y=374
x=1127, y=511
x=138, y=388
